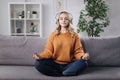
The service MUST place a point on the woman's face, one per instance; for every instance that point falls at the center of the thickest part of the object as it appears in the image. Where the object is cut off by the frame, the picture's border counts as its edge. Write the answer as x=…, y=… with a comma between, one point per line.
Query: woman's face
x=64, y=20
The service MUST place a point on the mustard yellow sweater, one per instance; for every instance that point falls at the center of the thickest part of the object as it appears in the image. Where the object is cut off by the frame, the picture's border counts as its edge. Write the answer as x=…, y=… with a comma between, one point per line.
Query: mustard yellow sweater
x=63, y=48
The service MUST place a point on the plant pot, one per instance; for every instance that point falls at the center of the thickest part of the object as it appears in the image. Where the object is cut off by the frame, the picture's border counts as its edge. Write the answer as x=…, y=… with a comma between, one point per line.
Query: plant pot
x=34, y=15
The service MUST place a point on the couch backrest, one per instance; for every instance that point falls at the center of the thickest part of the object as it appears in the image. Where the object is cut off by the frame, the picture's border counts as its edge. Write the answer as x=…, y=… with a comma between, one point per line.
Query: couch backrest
x=16, y=50
x=103, y=51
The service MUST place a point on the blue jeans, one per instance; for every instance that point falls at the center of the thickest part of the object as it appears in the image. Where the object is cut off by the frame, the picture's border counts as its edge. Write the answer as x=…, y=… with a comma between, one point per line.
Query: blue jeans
x=50, y=68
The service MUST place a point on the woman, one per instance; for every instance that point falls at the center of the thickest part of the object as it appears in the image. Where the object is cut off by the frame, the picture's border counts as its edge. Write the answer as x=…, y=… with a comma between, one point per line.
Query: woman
x=63, y=54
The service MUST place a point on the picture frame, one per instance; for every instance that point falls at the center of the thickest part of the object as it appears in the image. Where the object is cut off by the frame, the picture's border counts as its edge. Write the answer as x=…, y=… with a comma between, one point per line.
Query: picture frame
x=59, y=5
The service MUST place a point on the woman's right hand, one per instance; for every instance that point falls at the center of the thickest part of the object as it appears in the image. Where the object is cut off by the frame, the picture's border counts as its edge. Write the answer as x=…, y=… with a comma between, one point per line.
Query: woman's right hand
x=86, y=56
x=35, y=56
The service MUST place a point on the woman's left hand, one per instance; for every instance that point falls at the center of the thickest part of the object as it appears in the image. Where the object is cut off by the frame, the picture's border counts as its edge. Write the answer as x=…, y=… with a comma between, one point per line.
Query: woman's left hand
x=86, y=56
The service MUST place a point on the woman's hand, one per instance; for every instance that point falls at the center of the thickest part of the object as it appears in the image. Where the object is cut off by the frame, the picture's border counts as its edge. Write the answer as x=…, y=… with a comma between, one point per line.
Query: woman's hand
x=35, y=56
x=86, y=56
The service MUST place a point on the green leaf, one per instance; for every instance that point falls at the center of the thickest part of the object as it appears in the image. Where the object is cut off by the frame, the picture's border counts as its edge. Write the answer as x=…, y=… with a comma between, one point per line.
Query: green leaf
x=94, y=10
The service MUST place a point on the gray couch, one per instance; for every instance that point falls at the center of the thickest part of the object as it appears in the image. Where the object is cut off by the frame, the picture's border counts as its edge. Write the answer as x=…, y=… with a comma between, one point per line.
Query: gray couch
x=16, y=62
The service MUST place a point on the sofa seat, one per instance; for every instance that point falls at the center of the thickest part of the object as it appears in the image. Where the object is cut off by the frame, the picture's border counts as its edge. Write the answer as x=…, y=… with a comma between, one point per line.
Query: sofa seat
x=101, y=73
x=30, y=73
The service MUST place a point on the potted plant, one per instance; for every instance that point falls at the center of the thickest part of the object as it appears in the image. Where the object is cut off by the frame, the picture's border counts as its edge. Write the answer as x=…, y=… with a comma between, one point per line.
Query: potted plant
x=94, y=18
x=34, y=14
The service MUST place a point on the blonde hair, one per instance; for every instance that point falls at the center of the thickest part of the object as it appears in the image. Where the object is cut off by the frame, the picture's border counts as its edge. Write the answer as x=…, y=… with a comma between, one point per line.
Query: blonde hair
x=69, y=27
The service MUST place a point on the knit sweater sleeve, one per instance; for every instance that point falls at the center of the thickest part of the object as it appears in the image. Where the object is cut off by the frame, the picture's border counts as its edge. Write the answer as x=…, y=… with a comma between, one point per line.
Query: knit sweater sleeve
x=48, y=50
x=78, y=49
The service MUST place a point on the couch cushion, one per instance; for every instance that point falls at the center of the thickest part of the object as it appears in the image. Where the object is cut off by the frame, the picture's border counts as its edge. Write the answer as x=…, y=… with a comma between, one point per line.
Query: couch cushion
x=101, y=73
x=18, y=50
x=103, y=51
x=30, y=73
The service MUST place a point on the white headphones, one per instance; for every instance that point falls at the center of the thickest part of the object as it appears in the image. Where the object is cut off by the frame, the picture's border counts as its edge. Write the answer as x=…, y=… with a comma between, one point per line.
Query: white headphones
x=58, y=14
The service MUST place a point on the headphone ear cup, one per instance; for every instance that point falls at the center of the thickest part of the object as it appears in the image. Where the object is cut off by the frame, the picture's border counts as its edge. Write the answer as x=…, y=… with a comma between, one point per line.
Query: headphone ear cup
x=56, y=21
x=71, y=21
x=71, y=18
x=56, y=17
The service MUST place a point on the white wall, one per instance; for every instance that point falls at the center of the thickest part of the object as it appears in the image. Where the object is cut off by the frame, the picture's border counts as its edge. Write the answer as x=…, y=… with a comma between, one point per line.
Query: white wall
x=114, y=15
x=72, y=6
